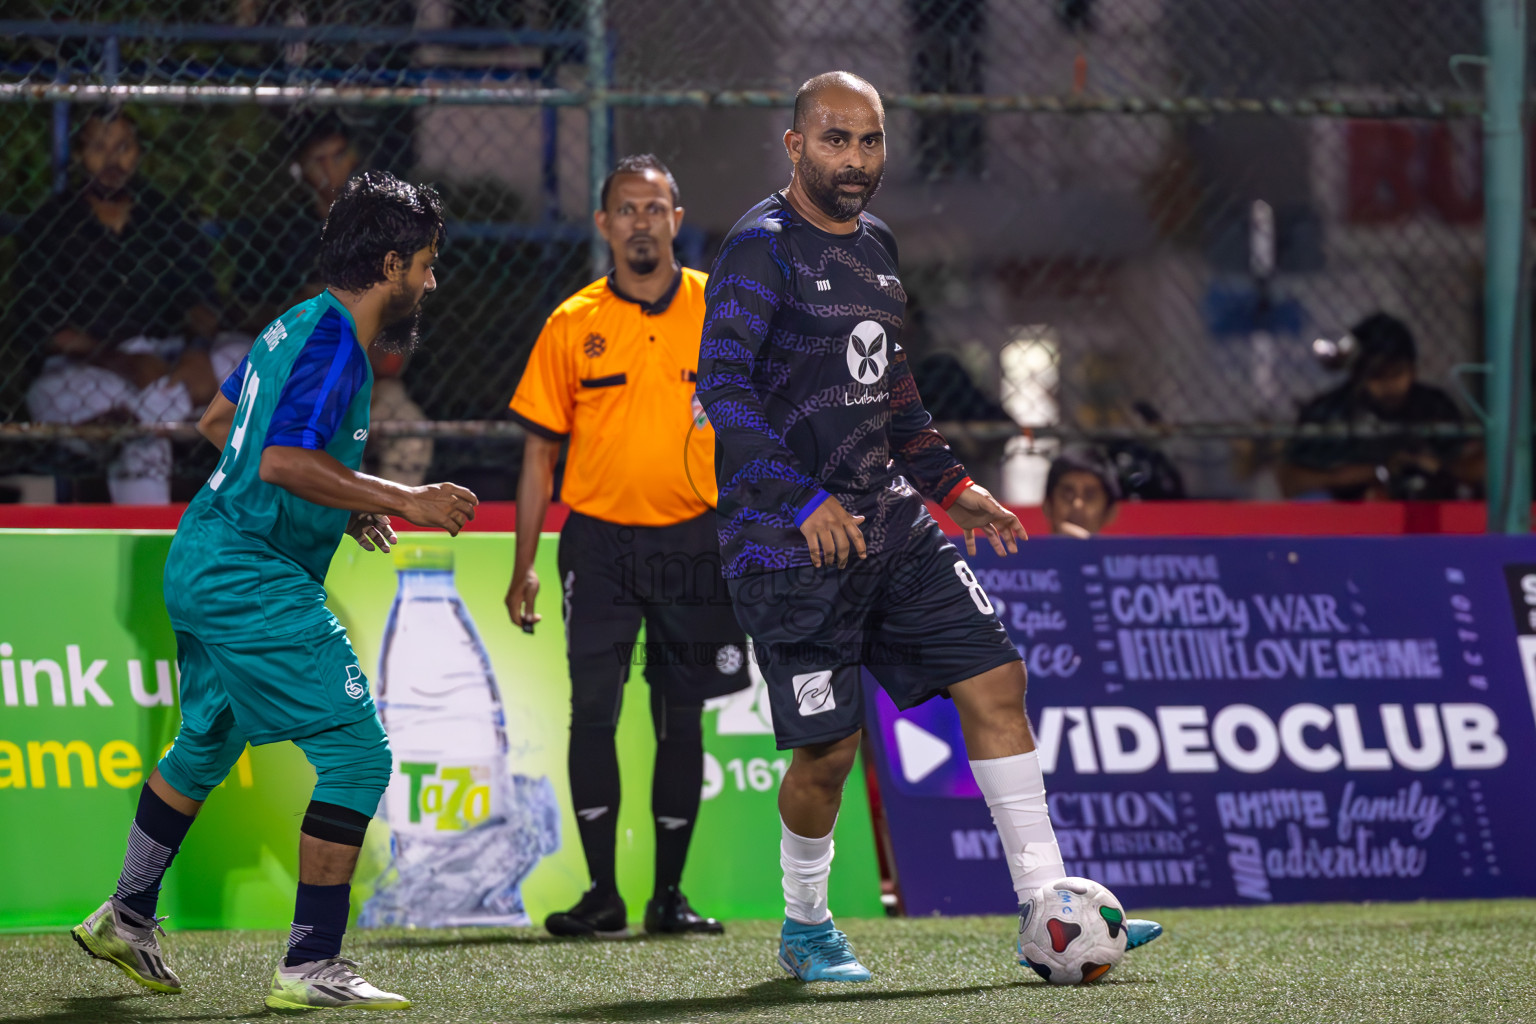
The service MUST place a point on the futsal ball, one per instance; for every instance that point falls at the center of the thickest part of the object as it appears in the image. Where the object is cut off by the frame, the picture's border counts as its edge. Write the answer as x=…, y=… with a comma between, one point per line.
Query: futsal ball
x=1072, y=931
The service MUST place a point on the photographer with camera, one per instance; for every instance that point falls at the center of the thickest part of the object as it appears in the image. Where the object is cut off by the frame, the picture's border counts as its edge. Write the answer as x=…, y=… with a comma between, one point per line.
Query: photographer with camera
x=1382, y=388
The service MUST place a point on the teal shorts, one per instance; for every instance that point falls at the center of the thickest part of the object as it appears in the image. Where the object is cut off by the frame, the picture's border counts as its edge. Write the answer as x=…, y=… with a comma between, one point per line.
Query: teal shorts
x=274, y=688
x=306, y=687
x=352, y=762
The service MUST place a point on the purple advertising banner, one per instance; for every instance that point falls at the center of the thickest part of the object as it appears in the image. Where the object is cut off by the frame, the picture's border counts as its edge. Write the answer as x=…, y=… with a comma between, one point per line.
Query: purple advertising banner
x=1246, y=721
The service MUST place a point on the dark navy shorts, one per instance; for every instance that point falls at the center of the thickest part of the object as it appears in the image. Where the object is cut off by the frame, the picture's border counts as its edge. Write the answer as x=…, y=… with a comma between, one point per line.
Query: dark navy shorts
x=915, y=616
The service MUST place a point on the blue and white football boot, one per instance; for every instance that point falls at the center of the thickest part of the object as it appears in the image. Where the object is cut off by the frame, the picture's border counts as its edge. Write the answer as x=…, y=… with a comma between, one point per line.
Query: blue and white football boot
x=818, y=952
x=1139, y=932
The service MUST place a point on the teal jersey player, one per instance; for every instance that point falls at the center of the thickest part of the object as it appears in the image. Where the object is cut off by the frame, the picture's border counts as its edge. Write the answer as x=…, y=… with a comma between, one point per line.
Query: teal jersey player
x=260, y=656
x=249, y=558
x=245, y=580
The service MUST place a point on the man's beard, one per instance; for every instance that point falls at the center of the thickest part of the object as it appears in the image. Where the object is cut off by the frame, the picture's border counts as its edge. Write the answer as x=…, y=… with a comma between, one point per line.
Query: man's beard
x=110, y=193
x=822, y=188
x=643, y=265
x=1385, y=409
x=401, y=332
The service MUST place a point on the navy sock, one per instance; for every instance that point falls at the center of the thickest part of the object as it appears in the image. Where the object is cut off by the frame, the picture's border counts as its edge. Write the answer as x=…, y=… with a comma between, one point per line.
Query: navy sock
x=319, y=922
x=156, y=835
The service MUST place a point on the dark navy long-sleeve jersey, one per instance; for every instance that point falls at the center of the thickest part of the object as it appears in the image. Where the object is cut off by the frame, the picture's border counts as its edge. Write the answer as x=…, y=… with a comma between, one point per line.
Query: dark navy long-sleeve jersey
x=808, y=391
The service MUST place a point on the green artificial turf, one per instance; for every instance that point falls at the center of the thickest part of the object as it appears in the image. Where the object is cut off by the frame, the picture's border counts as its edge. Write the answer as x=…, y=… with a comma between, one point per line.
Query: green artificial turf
x=1319, y=963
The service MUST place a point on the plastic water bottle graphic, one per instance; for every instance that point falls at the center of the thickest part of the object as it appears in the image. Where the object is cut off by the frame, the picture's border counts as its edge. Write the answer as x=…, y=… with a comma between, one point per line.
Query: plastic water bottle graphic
x=464, y=832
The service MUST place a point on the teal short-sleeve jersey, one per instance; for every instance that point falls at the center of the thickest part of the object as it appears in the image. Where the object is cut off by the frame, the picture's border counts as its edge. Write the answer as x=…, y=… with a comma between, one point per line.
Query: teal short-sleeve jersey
x=249, y=558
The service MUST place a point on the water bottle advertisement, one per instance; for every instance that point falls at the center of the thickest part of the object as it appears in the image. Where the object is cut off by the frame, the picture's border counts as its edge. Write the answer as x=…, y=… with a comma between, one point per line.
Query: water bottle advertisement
x=476, y=828
x=465, y=828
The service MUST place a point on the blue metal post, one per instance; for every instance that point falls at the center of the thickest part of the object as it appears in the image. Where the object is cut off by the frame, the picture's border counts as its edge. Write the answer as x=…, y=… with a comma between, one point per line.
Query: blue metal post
x=549, y=149
x=1506, y=299
x=599, y=146
x=61, y=132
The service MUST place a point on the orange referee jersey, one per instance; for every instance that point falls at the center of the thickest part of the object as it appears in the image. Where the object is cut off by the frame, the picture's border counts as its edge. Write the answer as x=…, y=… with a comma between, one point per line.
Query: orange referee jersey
x=617, y=376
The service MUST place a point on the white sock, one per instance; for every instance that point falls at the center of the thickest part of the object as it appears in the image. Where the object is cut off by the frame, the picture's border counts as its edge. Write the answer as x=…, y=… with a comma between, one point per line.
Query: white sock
x=806, y=864
x=1015, y=791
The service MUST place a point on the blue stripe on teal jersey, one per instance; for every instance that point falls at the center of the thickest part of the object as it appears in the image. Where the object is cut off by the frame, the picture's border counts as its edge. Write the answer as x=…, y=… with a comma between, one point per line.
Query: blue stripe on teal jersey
x=324, y=380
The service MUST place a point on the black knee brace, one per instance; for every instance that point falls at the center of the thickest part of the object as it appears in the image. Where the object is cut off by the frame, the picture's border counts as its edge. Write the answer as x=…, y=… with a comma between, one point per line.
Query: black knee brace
x=333, y=823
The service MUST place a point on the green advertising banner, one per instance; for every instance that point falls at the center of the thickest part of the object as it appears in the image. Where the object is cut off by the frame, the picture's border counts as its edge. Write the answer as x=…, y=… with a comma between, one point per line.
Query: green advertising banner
x=88, y=704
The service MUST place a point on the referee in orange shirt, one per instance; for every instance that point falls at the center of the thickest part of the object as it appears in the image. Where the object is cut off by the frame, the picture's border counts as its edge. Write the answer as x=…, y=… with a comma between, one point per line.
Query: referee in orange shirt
x=613, y=371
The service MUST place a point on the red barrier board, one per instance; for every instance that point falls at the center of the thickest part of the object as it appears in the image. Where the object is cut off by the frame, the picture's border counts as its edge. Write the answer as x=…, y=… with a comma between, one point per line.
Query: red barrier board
x=1136, y=519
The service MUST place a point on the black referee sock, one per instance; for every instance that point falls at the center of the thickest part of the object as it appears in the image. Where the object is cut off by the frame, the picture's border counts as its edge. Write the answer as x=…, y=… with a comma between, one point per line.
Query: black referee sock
x=675, y=786
x=156, y=835
x=594, y=773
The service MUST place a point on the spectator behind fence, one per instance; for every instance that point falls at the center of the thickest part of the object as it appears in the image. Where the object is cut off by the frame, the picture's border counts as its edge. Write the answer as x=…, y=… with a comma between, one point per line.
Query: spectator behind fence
x=1081, y=494
x=115, y=293
x=1382, y=388
x=276, y=269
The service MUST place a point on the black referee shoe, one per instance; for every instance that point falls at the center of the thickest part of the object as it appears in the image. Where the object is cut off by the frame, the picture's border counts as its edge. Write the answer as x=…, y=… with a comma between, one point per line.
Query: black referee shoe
x=599, y=915
x=670, y=914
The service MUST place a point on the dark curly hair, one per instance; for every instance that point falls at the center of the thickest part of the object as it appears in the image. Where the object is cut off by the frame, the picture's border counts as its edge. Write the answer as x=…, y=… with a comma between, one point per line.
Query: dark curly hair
x=376, y=214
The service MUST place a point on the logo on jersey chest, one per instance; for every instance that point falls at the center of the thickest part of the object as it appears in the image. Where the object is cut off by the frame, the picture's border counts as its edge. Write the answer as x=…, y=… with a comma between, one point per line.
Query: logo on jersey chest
x=868, y=352
x=594, y=346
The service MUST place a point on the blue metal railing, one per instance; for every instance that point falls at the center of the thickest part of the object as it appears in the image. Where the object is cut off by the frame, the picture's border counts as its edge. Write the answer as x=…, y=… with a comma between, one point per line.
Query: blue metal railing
x=383, y=35
x=558, y=46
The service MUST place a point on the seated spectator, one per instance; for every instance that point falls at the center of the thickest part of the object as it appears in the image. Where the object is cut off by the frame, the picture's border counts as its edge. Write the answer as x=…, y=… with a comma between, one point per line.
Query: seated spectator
x=275, y=257
x=1081, y=494
x=114, y=290
x=276, y=269
x=1382, y=388
x=402, y=459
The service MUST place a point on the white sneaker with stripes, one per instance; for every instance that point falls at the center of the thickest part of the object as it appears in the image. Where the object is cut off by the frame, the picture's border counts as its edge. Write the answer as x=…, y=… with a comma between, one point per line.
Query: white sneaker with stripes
x=328, y=983
x=119, y=936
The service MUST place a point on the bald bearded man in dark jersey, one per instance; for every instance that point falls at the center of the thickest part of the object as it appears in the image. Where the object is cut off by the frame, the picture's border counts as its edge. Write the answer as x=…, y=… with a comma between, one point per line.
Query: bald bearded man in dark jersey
x=824, y=455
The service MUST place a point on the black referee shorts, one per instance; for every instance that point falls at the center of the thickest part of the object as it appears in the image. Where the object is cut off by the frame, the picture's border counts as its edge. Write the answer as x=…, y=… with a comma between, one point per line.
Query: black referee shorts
x=915, y=616
x=614, y=577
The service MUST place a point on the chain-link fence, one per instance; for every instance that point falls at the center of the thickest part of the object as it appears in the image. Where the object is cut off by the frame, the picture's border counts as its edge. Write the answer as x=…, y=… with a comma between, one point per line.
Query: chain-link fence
x=1123, y=221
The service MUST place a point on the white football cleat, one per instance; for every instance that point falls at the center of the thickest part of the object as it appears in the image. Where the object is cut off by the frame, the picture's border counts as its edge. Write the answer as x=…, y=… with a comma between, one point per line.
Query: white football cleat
x=119, y=936
x=329, y=983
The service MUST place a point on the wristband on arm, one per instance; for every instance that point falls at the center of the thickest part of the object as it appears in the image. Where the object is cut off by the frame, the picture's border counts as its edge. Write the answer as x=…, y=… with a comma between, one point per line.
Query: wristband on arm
x=811, y=505
x=955, y=492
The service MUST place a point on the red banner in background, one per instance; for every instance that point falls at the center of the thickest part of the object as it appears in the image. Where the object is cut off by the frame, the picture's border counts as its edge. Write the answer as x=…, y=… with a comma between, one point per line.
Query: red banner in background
x=1136, y=519
x=491, y=517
